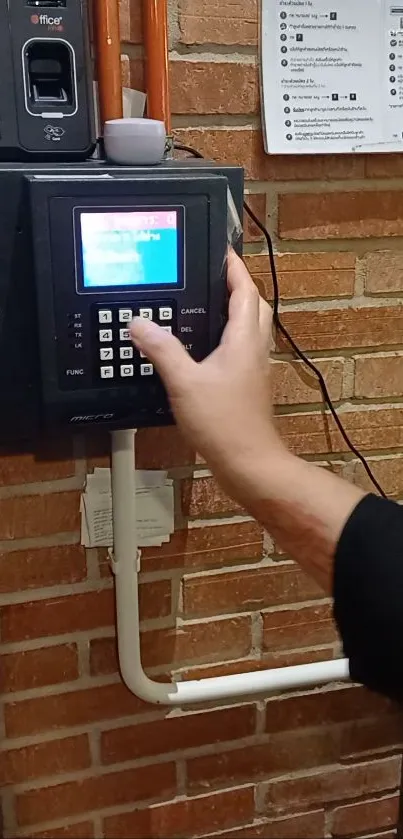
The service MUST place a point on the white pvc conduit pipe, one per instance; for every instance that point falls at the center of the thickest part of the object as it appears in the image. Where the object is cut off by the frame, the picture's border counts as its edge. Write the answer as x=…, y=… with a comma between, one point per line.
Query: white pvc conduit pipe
x=128, y=625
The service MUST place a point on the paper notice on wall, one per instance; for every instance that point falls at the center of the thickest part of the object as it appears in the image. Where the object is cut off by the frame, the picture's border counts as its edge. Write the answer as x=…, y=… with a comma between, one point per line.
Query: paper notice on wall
x=154, y=509
x=332, y=76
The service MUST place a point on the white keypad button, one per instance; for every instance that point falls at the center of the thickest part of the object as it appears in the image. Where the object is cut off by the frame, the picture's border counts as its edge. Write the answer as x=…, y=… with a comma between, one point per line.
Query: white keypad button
x=167, y=328
x=124, y=334
x=105, y=336
x=125, y=315
x=142, y=354
x=126, y=371
x=106, y=372
x=165, y=313
x=105, y=316
x=126, y=352
x=106, y=353
x=146, y=313
x=146, y=369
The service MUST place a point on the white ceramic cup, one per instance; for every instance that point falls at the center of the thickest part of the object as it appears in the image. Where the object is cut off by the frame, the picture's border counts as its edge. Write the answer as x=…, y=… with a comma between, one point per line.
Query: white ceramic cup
x=134, y=141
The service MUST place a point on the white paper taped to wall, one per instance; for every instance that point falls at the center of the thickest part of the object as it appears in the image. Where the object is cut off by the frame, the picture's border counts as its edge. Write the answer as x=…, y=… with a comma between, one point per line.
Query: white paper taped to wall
x=154, y=504
x=332, y=76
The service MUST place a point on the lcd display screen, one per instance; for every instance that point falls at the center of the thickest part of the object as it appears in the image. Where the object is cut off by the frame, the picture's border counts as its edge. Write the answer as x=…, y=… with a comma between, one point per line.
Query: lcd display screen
x=130, y=248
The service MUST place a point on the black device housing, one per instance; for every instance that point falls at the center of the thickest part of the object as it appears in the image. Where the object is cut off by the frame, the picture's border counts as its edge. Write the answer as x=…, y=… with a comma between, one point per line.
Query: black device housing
x=46, y=92
x=39, y=300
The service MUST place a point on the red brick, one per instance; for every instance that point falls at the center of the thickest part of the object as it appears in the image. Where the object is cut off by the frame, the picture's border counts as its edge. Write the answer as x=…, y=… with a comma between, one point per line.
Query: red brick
x=79, y=612
x=29, y=669
x=306, y=261
x=130, y=21
x=205, y=87
x=384, y=165
x=368, y=815
x=284, y=752
x=257, y=203
x=79, y=707
x=305, y=627
x=340, y=215
x=215, y=22
x=45, y=464
x=226, y=669
x=338, y=328
x=156, y=448
x=136, y=75
x=214, y=87
x=44, y=760
x=41, y=567
x=221, y=639
x=379, y=429
x=76, y=797
x=82, y=830
x=155, y=599
x=384, y=272
x=248, y=590
x=103, y=656
x=39, y=515
x=173, y=733
x=185, y=818
x=305, y=275
x=289, y=658
x=305, y=826
x=244, y=147
x=276, y=659
x=294, y=384
x=378, y=376
x=339, y=784
x=323, y=707
x=207, y=547
x=72, y=613
x=388, y=472
x=300, y=285
x=372, y=736
x=203, y=497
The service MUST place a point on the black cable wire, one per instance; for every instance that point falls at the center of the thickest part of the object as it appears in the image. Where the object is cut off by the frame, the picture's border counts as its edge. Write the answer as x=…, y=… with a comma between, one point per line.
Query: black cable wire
x=301, y=355
x=189, y=150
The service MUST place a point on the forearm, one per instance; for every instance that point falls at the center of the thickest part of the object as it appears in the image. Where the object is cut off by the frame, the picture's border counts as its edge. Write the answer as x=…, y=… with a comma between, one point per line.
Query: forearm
x=304, y=507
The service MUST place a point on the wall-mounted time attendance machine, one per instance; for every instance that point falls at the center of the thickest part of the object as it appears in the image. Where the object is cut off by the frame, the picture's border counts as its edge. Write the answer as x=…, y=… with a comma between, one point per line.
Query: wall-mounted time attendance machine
x=81, y=253
x=46, y=96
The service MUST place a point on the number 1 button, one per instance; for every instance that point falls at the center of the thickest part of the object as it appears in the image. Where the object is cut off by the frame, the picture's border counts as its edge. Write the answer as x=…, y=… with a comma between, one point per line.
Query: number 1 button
x=105, y=316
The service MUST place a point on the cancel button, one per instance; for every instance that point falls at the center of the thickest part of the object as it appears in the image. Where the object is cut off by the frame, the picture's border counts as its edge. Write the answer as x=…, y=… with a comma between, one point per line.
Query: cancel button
x=200, y=311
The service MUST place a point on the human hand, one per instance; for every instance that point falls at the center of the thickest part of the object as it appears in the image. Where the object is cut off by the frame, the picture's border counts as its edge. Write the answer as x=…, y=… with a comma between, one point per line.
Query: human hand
x=223, y=404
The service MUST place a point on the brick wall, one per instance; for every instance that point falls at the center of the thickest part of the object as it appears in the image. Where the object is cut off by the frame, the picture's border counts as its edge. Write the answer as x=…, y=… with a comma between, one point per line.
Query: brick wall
x=80, y=756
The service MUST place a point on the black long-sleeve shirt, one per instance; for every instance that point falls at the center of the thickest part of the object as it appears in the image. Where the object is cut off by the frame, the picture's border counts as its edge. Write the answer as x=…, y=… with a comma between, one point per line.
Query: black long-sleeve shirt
x=368, y=594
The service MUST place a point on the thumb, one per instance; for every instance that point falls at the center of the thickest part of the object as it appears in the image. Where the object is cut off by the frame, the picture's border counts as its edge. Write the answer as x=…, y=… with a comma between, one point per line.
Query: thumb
x=167, y=354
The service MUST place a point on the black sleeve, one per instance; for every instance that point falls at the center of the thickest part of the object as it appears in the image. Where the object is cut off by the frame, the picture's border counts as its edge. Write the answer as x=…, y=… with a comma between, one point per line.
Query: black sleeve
x=368, y=595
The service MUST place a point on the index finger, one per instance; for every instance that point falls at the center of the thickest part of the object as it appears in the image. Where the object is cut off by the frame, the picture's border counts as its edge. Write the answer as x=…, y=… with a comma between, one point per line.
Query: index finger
x=243, y=320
